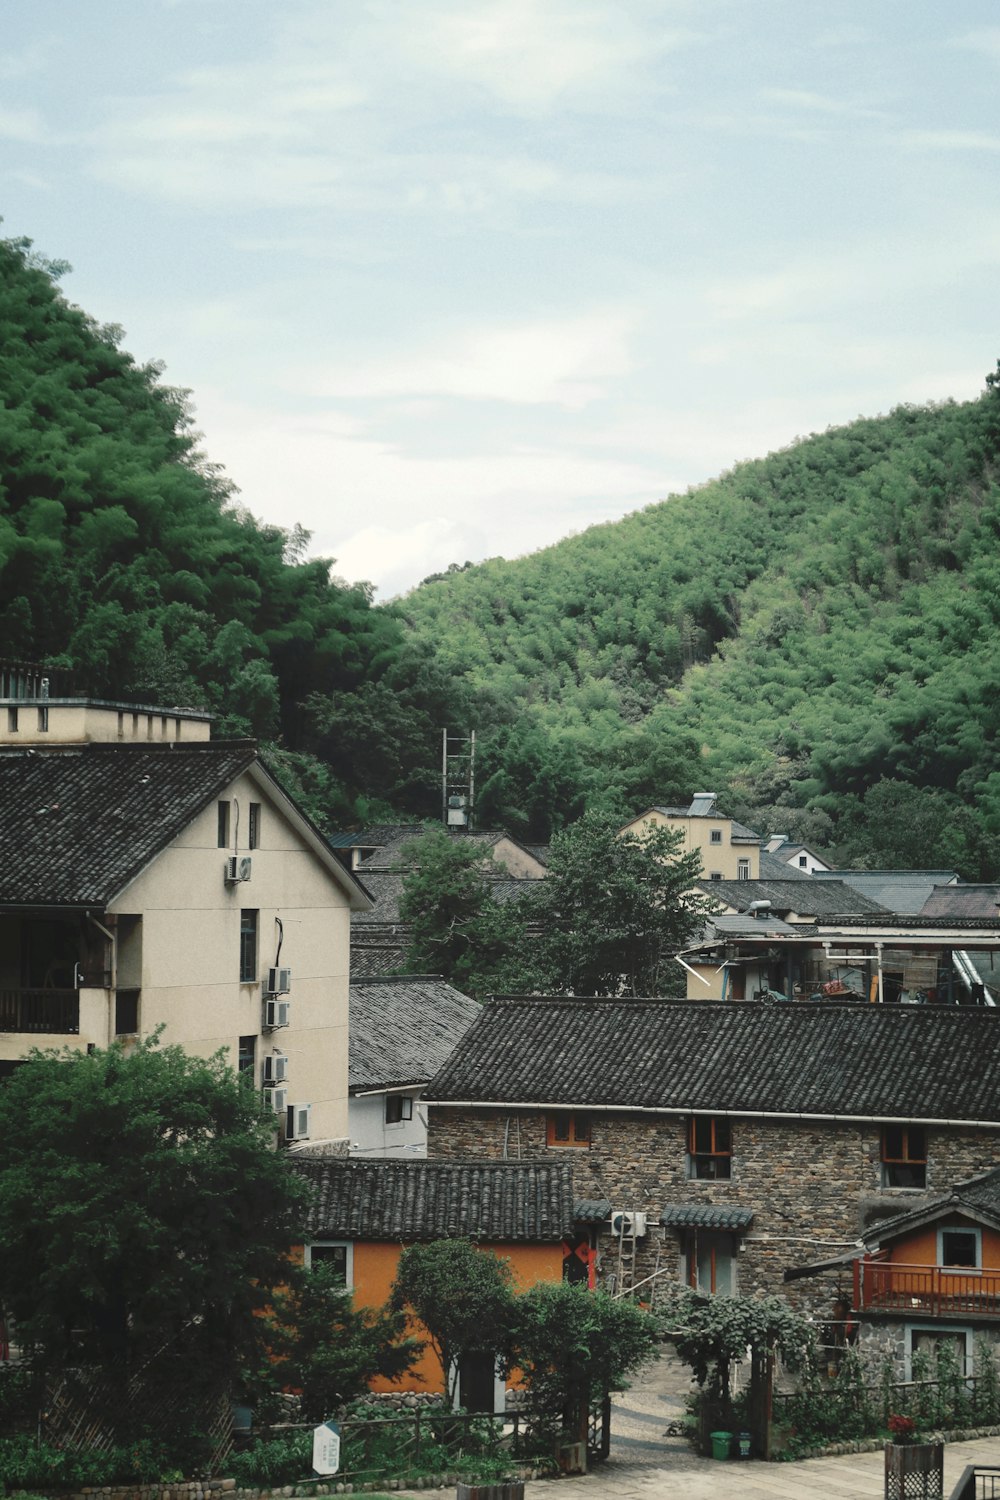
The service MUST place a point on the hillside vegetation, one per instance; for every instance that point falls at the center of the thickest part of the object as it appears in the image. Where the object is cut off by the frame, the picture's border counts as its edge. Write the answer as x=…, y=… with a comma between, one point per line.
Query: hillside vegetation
x=126, y=565
x=813, y=635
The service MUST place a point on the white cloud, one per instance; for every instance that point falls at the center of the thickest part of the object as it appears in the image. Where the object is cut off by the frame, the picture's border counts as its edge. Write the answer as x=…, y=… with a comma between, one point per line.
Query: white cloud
x=950, y=140
x=823, y=104
x=984, y=40
x=20, y=125
x=565, y=362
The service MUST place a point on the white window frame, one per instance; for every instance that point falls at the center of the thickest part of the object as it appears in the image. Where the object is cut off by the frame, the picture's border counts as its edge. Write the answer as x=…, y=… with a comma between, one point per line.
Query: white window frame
x=742, y=869
x=333, y=1245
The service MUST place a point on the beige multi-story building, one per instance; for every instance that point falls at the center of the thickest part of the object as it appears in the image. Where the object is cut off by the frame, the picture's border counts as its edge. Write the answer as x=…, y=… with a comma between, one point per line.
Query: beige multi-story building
x=152, y=878
x=728, y=851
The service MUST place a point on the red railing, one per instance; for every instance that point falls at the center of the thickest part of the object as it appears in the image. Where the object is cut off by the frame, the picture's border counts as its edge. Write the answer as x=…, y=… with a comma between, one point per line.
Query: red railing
x=928, y=1291
x=51, y=1011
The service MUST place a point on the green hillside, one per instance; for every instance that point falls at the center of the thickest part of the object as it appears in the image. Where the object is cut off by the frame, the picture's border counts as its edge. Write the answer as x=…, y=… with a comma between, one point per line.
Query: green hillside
x=126, y=565
x=808, y=631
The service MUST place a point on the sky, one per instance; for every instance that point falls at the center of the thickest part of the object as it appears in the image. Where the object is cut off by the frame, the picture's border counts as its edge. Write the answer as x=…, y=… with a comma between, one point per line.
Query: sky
x=452, y=279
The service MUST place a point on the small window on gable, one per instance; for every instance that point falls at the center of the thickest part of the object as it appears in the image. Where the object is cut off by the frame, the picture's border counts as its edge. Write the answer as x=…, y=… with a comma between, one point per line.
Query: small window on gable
x=710, y=1146
x=959, y=1248
x=715, y=837
x=253, y=838
x=398, y=1108
x=904, y=1156
x=224, y=825
x=567, y=1128
x=802, y=861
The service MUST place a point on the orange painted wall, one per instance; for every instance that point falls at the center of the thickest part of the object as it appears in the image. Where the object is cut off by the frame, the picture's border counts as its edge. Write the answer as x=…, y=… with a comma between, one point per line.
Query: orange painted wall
x=920, y=1248
x=375, y=1268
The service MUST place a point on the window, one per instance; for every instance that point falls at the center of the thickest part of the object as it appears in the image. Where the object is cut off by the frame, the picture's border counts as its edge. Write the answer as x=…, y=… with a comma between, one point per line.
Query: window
x=43, y=721
x=715, y=837
x=959, y=1248
x=254, y=835
x=398, y=1107
x=126, y=1012
x=337, y=1254
x=715, y=875
x=567, y=1129
x=743, y=869
x=929, y=1341
x=248, y=946
x=710, y=1262
x=803, y=861
x=904, y=1156
x=710, y=1146
x=12, y=720
x=247, y=1063
x=223, y=825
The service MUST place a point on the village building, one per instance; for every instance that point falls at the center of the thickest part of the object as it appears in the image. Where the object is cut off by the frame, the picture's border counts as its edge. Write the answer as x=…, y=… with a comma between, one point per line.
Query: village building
x=154, y=880
x=403, y=1029
x=727, y=850
x=718, y=1144
x=365, y=1213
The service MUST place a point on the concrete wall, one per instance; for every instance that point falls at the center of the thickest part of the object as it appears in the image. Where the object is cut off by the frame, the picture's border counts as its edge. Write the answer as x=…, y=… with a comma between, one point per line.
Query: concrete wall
x=372, y=1137
x=191, y=945
x=76, y=721
x=720, y=859
x=812, y=1186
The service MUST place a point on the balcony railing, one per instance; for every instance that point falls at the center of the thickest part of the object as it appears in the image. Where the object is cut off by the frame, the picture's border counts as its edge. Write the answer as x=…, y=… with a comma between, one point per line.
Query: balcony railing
x=925, y=1291
x=53, y=1011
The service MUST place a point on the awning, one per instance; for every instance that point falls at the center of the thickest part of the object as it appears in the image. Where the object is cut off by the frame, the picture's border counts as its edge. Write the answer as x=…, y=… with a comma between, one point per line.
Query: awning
x=706, y=1216
x=591, y=1210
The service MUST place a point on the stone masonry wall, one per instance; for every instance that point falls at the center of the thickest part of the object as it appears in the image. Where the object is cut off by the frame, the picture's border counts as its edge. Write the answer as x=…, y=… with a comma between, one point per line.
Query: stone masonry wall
x=813, y=1186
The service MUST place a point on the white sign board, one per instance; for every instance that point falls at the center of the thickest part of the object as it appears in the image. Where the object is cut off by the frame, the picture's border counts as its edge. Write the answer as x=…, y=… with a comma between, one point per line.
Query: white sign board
x=326, y=1448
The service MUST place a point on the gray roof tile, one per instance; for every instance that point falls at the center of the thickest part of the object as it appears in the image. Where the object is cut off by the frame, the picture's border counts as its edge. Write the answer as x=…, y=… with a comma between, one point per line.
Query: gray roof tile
x=706, y=1216
x=875, y=1061
x=404, y=1028
x=496, y=1202
x=79, y=824
x=810, y=897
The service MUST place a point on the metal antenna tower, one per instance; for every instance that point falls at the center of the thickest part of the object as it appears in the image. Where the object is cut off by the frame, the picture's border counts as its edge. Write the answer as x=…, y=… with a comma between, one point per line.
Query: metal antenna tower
x=458, y=779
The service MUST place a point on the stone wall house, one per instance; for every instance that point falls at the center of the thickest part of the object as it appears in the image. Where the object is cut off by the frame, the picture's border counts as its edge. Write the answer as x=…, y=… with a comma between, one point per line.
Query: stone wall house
x=718, y=1145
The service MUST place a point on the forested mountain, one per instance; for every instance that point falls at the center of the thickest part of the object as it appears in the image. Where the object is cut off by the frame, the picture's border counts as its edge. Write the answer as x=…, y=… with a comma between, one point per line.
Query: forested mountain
x=813, y=635
x=126, y=565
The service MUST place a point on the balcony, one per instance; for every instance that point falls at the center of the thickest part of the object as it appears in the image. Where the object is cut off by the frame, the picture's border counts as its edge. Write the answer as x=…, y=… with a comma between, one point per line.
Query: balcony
x=925, y=1291
x=55, y=1012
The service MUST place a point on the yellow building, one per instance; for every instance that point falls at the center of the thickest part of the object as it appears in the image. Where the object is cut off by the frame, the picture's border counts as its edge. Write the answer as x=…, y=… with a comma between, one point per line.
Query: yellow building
x=152, y=877
x=728, y=851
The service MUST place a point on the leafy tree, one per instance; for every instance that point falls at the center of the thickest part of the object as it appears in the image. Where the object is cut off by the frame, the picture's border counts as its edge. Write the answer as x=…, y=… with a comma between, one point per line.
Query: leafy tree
x=321, y=1345
x=711, y=1334
x=143, y=1209
x=461, y=1296
x=614, y=909
x=573, y=1345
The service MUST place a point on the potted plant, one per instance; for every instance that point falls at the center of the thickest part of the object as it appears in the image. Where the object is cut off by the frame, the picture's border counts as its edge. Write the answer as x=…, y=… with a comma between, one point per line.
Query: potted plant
x=914, y=1469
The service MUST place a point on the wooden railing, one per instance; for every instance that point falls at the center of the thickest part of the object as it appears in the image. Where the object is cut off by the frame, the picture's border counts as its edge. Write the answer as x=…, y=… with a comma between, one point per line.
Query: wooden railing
x=930, y=1291
x=53, y=1011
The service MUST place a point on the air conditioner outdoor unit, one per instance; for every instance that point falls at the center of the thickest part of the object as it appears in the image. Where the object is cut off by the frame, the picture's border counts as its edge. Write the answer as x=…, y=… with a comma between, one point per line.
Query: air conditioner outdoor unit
x=297, y=1122
x=279, y=981
x=275, y=1069
x=628, y=1226
x=277, y=1013
x=279, y=1101
x=239, y=867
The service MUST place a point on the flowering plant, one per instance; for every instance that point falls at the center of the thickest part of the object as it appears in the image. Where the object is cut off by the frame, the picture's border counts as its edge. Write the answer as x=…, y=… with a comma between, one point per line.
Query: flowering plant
x=903, y=1429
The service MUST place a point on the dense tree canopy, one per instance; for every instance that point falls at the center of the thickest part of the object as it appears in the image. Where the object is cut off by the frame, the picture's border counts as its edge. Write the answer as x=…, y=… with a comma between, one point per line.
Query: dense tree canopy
x=143, y=1208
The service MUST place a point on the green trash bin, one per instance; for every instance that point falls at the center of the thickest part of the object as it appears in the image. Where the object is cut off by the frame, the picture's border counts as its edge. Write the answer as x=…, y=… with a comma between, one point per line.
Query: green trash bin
x=721, y=1444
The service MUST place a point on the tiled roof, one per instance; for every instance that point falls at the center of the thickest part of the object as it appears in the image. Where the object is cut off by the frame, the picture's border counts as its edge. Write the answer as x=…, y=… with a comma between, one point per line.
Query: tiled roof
x=498, y=1202
x=79, y=824
x=903, y=891
x=979, y=1196
x=962, y=901
x=743, y=925
x=706, y=1216
x=774, y=868
x=404, y=1028
x=592, y=1210
x=810, y=898
x=872, y=1061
